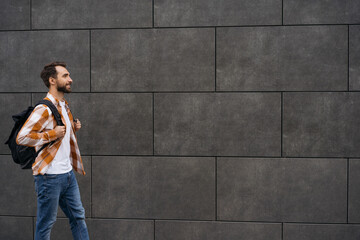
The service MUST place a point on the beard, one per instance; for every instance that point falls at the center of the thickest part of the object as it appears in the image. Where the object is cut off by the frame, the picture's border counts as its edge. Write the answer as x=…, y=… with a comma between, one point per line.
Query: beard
x=63, y=89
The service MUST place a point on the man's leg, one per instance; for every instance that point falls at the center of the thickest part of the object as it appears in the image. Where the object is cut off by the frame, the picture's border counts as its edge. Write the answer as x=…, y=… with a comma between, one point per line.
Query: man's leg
x=71, y=205
x=48, y=191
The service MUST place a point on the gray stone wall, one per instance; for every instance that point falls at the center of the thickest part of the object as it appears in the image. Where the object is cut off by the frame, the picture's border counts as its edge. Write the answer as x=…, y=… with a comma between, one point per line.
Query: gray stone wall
x=202, y=120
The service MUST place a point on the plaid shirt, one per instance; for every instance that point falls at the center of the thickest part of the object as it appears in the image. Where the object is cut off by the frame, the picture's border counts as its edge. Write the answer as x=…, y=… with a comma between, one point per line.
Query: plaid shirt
x=39, y=129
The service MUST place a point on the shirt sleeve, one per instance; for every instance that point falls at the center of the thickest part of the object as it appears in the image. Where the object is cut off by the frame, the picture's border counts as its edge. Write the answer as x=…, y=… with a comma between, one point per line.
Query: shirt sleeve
x=32, y=134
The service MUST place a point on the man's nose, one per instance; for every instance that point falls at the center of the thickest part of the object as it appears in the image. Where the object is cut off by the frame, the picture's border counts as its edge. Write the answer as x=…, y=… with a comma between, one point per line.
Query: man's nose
x=70, y=80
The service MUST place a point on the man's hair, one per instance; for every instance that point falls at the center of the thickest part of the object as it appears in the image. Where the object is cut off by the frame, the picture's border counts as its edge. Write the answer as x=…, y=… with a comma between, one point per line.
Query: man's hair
x=50, y=71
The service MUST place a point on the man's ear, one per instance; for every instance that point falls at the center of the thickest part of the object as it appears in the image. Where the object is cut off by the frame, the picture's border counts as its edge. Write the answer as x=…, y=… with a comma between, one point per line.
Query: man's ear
x=52, y=81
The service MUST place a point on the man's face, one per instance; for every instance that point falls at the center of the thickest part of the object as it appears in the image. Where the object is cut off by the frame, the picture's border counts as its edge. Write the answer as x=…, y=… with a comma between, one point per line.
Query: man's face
x=63, y=80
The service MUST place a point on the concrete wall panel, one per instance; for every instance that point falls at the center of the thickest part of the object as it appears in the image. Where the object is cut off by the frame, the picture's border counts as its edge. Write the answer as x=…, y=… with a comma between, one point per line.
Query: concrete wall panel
x=91, y=14
x=152, y=60
x=153, y=187
x=321, y=232
x=321, y=12
x=217, y=124
x=282, y=190
x=354, y=57
x=18, y=197
x=298, y=58
x=180, y=230
x=172, y=13
x=11, y=104
x=112, y=123
x=23, y=54
x=15, y=15
x=354, y=190
x=109, y=229
x=16, y=228
x=321, y=124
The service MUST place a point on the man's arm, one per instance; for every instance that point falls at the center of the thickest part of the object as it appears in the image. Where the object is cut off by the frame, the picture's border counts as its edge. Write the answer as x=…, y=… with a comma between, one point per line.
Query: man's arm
x=32, y=134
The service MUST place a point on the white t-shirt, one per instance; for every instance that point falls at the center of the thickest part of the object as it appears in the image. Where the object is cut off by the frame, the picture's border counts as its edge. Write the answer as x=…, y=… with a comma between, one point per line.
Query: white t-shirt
x=61, y=162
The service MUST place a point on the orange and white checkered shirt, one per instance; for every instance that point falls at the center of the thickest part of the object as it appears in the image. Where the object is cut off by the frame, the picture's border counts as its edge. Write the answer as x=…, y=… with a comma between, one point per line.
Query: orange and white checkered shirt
x=39, y=130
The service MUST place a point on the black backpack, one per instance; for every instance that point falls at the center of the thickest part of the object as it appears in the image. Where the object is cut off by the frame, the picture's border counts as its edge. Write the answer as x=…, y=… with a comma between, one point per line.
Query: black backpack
x=24, y=155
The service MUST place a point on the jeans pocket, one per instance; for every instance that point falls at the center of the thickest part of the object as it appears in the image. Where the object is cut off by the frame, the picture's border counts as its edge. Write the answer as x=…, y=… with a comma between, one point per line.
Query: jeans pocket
x=52, y=185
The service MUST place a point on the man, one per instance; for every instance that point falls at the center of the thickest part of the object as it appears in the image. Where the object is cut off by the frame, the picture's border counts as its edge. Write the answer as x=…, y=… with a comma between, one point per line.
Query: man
x=55, y=182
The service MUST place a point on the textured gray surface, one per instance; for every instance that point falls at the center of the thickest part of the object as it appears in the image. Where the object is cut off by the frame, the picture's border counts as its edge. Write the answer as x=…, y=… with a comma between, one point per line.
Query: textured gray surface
x=321, y=124
x=16, y=228
x=354, y=57
x=297, y=58
x=354, y=191
x=321, y=12
x=18, y=195
x=91, y=14
x=61, y=229
x=109, y=229
x=112, y=123
x=217, y=124
x=321, y=232
x=10, y=104
x=181, y=230
x=24, y=53
x=282, y=190
x=153, y=187
x=173, y=13
x=152, y=60
x=17, y=189
x=14, y=14
x=113, y=229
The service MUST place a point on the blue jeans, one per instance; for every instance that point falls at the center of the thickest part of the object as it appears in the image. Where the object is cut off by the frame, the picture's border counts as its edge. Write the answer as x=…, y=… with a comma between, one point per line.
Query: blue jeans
x=62, y=190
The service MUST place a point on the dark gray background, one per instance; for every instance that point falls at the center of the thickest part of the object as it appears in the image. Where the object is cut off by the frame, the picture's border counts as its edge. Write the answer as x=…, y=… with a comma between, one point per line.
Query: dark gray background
x=202, y=120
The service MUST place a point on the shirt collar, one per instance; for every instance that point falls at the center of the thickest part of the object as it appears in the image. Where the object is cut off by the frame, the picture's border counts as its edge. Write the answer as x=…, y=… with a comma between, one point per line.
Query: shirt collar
x=54, y=100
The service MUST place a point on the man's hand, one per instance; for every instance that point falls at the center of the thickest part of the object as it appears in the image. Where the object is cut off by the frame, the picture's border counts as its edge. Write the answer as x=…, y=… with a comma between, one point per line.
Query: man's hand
x=77, y=124
x=60, y=131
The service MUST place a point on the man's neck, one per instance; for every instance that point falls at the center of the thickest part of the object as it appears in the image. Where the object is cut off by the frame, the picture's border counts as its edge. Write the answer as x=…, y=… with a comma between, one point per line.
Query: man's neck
x=58, y=95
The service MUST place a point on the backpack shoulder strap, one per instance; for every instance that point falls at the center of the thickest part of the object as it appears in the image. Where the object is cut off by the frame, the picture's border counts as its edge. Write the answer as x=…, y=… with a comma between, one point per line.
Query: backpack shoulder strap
x=53, y=109
x=56, y=114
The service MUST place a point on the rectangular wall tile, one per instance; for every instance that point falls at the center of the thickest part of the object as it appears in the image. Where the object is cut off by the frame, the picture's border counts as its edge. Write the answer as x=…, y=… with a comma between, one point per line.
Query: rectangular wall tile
x=11, y=104
x=282, y=189
x=354, y=58
x=211, y=124
x=322, y=124
x=152, y=60
x=354, y=190
x=61, y=229
x=321, y=12
x=112, y=124
x=181, y=230
x=16, y=228
x=321, y=232
x=91, y=14
x=15, y=15
x=23, y=55
x=153, y=187
x=17, y=188
x=297, y=58
x=173, y=13
x=109, y=229
x=121, y=229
